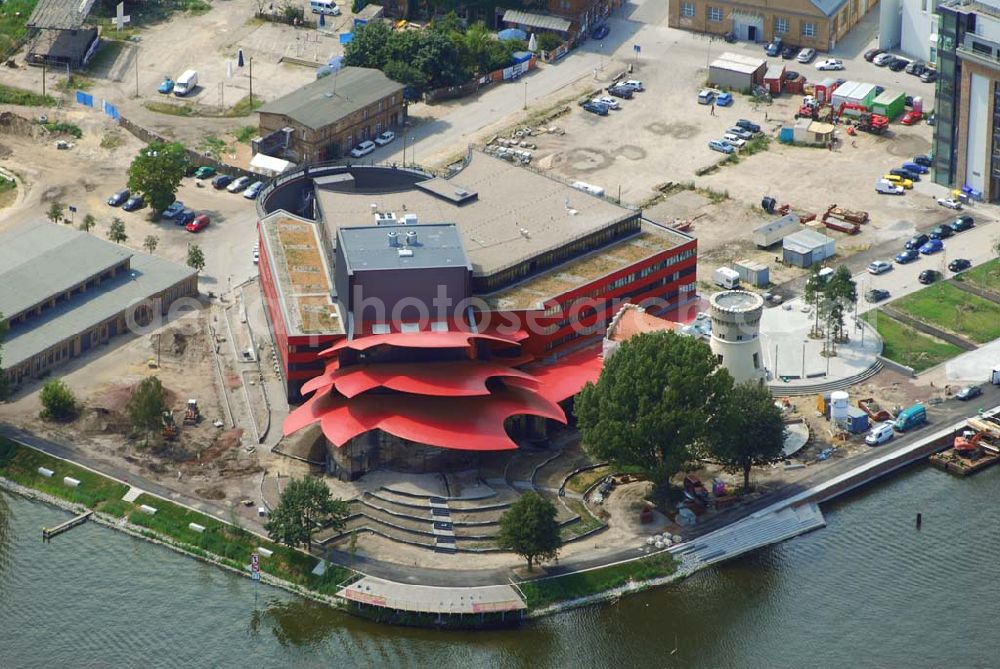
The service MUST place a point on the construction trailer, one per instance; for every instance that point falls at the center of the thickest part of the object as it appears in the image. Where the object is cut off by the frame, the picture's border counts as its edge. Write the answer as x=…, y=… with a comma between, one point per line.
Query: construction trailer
x=854, y=93
x=773, y=78
x=754, y=273
x=890, y=104
x=774, y=231
x=737, y=72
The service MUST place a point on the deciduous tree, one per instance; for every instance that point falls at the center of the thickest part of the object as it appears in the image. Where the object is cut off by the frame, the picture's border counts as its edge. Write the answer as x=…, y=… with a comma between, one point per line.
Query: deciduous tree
x=146, y=406
x=747, y=430
x=150, y=243
x=56, y=212
x=156, y=173
x=116, y=232
x=195, y=258
x=305, y=506
x=58, y=401
x=529, y=529
x=88, y=223
x=652, y=404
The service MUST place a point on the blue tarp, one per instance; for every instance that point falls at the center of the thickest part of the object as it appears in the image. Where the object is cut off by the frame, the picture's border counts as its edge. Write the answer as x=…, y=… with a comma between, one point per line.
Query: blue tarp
x=512, y=33
x=85, y=98
x=520, y=57
x=346, y=37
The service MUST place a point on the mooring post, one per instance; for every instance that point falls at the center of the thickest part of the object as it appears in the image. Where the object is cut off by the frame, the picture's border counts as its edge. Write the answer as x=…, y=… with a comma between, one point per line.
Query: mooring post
x=920, y=520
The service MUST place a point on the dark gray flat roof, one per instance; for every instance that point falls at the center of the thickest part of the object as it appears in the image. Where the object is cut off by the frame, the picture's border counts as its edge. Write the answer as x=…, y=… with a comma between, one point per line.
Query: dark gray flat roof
x=437, y=245
x=149, y=275
x=60, y=14
x=39, y=260
x=325, y=101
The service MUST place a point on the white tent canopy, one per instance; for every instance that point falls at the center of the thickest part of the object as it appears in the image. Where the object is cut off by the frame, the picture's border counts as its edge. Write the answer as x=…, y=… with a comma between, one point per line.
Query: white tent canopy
x=269, y=165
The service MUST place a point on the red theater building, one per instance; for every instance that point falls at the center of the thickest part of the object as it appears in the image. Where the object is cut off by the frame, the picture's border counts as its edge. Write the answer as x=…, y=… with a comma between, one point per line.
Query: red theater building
x=426, y=319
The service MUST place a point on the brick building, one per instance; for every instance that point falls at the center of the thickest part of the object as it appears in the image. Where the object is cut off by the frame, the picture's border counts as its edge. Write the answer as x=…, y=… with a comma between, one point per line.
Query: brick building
x=819, y=24
x=332, y=115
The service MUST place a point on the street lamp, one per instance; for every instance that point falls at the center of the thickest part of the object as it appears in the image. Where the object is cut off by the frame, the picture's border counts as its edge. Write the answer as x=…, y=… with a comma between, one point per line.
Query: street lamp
x=526, y=95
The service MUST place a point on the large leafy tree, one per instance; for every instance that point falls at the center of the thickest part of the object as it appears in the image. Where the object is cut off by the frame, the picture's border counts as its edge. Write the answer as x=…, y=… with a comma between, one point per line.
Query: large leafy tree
x=652, y=405
x=146, y=406
x=305, y=506
x=369, y=46
x=842, y=294
x=156, y=173
x=529, y=529
x=747, y=430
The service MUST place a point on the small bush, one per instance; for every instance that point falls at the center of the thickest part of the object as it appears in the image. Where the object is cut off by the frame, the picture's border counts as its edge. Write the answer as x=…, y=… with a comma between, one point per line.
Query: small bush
x=64, y=129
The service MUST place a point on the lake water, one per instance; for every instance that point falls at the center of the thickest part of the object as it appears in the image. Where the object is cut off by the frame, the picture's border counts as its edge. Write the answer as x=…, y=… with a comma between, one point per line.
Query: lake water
x=868, y=591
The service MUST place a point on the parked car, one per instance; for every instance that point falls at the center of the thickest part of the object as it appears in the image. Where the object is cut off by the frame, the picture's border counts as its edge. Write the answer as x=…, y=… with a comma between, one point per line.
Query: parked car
x=256, y=255
x=926, y=161
x=906, y=174
x=886, y=187
x=611, y=102
x=706, y=96
x=199, y=223
x=879, y=90
x=915, y=68
x=959, y=265
x=623, y=92
x=876, y=295
x=601, y=31
x=740, y=132
x=204, y=172
x=909, y=255
x=898, y=64
x=880, y=434
x=721, y=146
x=898, y=180
x=929, y=76
x=908, y=101
x=171, y=212
x=962, y=223
x=942, y=231
x=773, y=48
x=932, y=246
x=734, y=141
x=949, y=202
x=879, y=267
x=221, y=181
x=789, y=52
x=166, y=86
x=724, y=99
x=883, y=59
x=968, y=393
x=238, y=185
x=134, y=203
x=184, y=217
x=917, y=241
x=363, y=149
x=915, y=167
x=596, y=108
x=791, y=75
x=119, y=198
x=929, y=276
x=911, y=117
x=806, y=55
x=830, y=64
x=749, y=126
x=872, y=53
x=634, y=84
x=253, y=190
x=385, y=138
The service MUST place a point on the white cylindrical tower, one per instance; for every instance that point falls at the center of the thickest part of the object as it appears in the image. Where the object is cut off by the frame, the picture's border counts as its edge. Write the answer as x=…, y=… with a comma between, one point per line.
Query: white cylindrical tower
x=839, y=402
x=736, y=333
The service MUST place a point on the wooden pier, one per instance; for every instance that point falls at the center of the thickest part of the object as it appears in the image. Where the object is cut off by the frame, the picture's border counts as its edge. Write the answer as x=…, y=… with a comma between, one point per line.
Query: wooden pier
x=49, y=532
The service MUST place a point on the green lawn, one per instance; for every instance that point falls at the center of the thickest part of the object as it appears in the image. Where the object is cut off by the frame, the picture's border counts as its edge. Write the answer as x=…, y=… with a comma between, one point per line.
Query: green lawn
x=13, y=17
x=985, y=276
x=908, y=347
x=573, y=586
x=951, y=309
x=586, y=523
x=234, y=545
x=18, y=96
x=20, y=464
x=580, y=482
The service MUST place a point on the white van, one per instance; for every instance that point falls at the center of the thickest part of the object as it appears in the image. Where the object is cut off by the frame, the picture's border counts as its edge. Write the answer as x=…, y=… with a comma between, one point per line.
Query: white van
x=726, y=277
x=886, y=187
x=186, y=83
x=880, y=434
x=826, y=273
x=328, y=7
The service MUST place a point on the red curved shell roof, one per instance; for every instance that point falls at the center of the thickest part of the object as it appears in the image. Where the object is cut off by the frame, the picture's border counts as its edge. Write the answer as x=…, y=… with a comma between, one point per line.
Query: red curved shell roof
x=450, y=339
x=455, y=378
x=462, y=423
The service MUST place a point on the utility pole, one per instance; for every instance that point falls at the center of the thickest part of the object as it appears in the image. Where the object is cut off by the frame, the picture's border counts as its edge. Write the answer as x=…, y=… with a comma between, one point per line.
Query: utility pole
x=43, y=78
x=137, y=73
x=526, y=95
x=251, y=83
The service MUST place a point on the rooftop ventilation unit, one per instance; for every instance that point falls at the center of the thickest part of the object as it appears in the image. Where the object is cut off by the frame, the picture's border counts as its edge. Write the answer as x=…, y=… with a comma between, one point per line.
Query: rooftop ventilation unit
x=409, y=219
x=385, y=218
x=393, y=238
x=405, y=253
x=411, y=238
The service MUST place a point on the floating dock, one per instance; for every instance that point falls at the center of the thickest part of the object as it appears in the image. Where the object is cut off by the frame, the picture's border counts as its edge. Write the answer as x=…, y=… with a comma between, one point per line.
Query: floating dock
x=49, y=532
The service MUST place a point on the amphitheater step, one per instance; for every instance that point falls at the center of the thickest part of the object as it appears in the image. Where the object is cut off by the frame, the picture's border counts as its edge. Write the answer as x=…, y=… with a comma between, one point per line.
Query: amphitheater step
x=781, y=390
